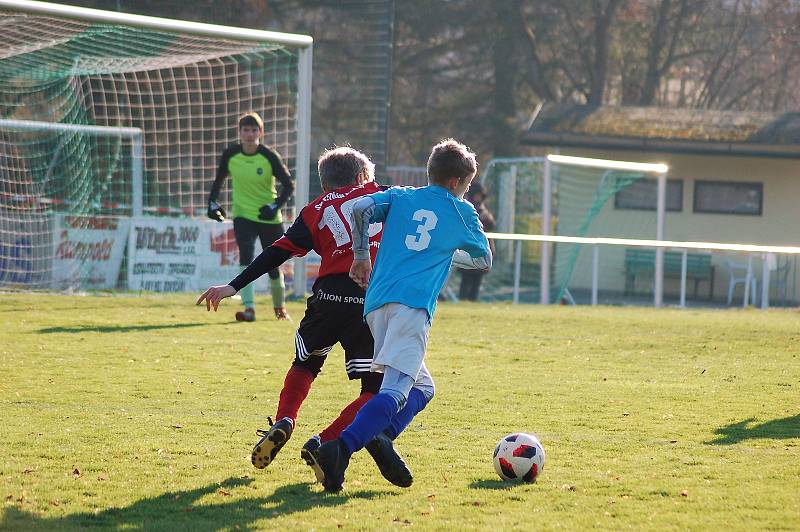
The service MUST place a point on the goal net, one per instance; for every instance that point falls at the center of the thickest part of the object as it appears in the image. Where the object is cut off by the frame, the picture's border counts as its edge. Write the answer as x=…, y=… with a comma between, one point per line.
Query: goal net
x=584, y=201
x=182, y=86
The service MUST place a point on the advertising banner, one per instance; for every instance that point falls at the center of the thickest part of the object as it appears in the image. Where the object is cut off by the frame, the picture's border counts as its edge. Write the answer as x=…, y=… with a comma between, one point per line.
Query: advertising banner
x=186, y=255
x=162, y=254
x=87, y=251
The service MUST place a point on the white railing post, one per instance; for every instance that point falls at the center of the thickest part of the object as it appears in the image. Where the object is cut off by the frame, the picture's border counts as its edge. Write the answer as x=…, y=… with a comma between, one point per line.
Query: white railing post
x=765, y=281
x=517, y=269
x=595, y=268
x=684, y=258
x=544, y=281
x=747, y=280
x=658, y=292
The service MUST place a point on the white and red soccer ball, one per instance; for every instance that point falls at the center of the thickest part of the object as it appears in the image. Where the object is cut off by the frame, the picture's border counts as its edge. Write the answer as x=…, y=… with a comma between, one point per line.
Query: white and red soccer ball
x=519, y=457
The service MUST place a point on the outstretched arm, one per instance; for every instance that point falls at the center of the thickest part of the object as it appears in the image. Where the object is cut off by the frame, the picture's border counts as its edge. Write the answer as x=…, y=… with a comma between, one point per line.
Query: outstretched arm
x=270, y=258
x=295, y=242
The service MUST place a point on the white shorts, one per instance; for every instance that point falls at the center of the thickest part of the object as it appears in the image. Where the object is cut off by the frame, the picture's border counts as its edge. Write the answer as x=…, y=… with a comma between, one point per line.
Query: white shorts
x=401, y=337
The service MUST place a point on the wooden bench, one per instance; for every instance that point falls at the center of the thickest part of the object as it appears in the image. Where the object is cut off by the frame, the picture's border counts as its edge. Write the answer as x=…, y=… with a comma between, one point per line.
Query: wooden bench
x=642, y=262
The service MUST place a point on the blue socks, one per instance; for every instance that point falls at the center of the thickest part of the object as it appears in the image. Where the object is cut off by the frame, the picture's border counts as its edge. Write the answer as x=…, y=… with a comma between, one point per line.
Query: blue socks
x=370, y=421
x=417, y=401
x=380, y=414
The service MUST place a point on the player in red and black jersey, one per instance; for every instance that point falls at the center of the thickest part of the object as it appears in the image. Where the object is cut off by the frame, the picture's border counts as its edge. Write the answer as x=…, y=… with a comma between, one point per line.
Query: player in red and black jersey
x=334, y=313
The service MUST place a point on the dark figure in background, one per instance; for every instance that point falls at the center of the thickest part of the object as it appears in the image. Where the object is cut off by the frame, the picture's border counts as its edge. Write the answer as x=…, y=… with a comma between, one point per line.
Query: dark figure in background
x=471, y=279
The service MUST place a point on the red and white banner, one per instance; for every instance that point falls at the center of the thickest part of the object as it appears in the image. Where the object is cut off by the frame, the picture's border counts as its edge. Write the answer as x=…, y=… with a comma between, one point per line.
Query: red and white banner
x=87, y=251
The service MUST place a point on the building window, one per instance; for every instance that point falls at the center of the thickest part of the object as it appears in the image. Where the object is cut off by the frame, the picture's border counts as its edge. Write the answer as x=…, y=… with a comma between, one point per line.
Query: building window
x=642, y=195
x=726, y=197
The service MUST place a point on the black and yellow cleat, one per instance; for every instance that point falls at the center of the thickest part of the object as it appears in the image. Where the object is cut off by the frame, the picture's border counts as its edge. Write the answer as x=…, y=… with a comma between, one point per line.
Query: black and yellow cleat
x=310, y=453
x=271, y=442
x=391, y=464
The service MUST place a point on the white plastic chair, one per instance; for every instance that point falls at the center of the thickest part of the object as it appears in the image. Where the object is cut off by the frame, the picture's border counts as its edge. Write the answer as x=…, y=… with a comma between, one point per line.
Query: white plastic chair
x=737, y=274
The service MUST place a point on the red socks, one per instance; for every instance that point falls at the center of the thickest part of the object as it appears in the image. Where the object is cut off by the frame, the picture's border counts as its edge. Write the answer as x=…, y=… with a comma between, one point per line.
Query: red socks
x=345, y=418
x=296, y=386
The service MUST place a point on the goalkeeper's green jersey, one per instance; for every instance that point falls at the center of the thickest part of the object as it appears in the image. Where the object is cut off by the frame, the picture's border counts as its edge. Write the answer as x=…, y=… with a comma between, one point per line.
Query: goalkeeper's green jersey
x=253, y=179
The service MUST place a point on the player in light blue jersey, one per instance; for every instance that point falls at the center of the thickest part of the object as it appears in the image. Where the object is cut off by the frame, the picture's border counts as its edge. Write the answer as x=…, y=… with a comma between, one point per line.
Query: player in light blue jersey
x=425, y=231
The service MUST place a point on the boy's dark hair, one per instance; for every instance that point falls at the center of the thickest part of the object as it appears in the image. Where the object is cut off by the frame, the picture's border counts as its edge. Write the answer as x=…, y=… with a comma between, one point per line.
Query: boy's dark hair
x=251, y=119
x=449, y=159
x=342, y=166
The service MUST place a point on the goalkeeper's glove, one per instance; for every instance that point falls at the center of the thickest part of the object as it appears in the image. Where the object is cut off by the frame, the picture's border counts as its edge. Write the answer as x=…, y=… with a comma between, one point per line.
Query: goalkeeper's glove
x=268, y=212
x=215, y=211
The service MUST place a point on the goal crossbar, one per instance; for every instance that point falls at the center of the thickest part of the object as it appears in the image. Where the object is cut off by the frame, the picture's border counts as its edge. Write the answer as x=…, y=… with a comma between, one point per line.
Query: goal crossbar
x=157, y=23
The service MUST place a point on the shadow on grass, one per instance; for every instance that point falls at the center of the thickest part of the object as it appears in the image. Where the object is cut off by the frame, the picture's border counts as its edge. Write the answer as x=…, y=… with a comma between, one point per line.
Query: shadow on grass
x=486, y=484
x=116, y=328
x=178, y=511
x=787, y=427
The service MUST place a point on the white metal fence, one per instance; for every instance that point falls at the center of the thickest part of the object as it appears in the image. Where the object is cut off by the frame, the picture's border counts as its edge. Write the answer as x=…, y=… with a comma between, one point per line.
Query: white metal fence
x=760, y=263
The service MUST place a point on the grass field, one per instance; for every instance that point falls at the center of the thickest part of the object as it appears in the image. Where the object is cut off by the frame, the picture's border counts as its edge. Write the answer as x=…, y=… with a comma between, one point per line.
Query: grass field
x=140, y=412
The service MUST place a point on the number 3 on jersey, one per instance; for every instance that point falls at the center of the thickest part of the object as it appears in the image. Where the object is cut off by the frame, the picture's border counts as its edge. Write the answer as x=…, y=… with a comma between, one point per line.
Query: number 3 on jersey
x=422, y=239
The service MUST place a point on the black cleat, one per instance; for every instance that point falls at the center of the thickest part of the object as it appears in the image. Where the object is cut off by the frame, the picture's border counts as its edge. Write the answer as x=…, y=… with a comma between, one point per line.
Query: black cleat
x=310, y=453
x=271, y=442
x=333, y=459
x=392, y=466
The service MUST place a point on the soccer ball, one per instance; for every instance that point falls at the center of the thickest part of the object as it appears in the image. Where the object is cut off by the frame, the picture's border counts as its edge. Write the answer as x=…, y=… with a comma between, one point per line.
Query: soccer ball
x=519, y=457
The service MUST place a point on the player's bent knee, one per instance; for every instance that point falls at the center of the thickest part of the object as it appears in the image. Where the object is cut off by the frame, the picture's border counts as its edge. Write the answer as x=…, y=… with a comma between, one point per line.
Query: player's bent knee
x=274, y=273
x=312, y=364
x=397, y=396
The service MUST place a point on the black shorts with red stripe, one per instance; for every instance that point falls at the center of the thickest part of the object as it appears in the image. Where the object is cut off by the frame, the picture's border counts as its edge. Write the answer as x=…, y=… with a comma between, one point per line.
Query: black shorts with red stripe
x=334, y=314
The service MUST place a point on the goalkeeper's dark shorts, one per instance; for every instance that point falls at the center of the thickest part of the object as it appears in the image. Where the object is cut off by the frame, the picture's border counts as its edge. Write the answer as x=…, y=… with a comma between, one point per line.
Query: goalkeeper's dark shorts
x=334, y=314
x=247, y=231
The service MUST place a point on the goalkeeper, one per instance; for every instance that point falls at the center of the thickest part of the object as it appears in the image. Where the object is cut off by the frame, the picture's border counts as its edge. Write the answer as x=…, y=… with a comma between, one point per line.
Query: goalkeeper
x=254, y=167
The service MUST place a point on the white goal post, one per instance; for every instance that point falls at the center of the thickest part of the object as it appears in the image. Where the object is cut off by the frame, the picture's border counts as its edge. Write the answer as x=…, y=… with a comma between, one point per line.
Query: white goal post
x=658, y=169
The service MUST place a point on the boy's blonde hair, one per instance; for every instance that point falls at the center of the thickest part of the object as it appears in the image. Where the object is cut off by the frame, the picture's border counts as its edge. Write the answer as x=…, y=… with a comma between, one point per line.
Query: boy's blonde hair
x=450, y=159
x=251, y=119
x=342, y=165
